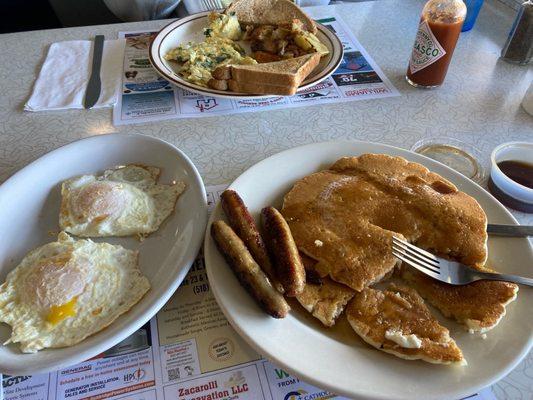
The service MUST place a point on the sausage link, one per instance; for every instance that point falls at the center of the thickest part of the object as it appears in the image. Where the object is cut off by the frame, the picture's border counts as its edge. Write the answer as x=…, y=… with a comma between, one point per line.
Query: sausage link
x=248, y=271
x=288, y=265
x=244, y=226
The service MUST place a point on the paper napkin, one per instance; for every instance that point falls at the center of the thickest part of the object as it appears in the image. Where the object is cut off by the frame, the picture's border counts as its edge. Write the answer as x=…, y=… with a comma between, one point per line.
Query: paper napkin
x=64, y=75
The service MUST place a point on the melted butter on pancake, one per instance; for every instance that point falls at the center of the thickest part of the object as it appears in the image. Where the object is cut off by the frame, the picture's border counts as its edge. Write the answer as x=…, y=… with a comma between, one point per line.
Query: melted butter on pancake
x=356, y=206
x=397, y=321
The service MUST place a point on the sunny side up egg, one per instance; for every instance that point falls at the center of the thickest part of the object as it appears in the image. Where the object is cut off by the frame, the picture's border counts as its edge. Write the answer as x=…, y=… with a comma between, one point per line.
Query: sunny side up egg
x=67, y=290
x=122, y=201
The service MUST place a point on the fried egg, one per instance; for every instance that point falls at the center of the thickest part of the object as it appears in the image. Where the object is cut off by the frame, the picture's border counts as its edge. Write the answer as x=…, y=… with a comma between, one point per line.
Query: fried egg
x=67, y=290
x=122, y=201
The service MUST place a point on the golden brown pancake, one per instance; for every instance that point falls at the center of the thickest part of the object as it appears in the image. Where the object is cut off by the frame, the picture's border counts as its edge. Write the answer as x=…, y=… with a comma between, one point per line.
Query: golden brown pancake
x=479, y=306
x=312, y=275
x=398, y=322
x=345, y=217
x=325, y=301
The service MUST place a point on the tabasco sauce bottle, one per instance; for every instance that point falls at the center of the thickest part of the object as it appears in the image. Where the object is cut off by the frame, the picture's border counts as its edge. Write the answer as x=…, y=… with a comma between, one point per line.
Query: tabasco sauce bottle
x=438, y=31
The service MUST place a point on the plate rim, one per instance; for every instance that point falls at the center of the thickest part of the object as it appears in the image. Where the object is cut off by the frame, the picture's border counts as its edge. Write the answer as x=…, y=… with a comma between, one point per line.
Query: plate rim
x=189, y=257
x=153, y=55
x=305, y=376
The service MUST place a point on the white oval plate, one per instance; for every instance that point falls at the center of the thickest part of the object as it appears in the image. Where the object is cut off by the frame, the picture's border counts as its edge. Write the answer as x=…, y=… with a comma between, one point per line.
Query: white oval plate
x=190, y=29
x=335, y=359
x=29, y=209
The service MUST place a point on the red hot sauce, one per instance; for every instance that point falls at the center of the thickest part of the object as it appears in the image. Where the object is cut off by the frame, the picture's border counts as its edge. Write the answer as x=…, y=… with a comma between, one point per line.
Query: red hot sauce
x=439, y=29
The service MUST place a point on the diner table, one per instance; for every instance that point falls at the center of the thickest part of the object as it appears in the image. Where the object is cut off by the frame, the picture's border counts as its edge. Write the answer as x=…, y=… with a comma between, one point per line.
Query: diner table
x=479, y=104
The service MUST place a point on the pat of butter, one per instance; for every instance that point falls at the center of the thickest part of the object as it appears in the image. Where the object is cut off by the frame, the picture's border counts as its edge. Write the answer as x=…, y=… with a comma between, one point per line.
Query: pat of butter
x=319, y=243
x=407, y=341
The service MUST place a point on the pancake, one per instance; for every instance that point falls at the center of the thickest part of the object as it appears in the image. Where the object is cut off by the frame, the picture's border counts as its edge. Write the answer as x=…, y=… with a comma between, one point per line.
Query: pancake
x=345, y=217
x=312, y=275
x=479, y=306
x=398, y=322
x=325, y=301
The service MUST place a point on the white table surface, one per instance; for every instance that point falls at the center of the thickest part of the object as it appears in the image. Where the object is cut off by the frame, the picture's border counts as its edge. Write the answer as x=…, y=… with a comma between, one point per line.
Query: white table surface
x=479, y=104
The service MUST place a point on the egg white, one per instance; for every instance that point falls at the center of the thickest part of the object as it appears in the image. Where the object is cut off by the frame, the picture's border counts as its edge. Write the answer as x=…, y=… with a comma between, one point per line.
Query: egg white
x=101, y=280
x=122, y=201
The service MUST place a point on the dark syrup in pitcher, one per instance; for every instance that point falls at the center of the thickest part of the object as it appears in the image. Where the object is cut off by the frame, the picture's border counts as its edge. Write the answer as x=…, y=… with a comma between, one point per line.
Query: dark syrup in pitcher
x=520, y=172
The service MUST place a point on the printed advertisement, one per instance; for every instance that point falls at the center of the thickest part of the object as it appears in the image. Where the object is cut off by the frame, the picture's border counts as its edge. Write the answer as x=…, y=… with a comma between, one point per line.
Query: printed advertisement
x=188, y=351
x=146, y=96
x=194, y=335
x=239, y=383
x=284, y=386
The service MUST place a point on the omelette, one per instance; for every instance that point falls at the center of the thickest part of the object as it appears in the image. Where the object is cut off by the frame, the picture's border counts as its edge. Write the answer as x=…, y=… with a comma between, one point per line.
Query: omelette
x=198, y=60
x=123, y=201
x=67, y=290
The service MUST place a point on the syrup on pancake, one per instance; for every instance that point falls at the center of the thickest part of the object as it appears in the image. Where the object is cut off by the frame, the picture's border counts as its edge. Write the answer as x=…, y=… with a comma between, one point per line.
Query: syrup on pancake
x=345, y=217
x=479, y=305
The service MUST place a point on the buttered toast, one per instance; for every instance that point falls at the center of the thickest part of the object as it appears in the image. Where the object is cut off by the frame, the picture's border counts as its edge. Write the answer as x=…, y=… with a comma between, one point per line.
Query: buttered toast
x=269, y=12
x=279, y=77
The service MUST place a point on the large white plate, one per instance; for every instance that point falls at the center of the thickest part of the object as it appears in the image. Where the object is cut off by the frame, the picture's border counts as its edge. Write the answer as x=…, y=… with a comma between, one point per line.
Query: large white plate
x=335, y=359
x=190, y=29
x=29, y=209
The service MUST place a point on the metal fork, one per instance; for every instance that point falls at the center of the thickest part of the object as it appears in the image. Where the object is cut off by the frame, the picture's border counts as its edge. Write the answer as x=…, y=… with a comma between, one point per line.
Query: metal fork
x=447, y=271
x=212, y=4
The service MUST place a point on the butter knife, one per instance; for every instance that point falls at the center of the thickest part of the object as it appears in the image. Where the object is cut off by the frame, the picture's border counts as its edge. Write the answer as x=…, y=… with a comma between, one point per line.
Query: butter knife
x=510, y=230
x=94, y=85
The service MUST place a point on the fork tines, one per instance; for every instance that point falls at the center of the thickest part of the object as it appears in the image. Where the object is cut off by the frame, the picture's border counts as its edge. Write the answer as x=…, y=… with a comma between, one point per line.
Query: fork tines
x=416, y=257
x=212, y=4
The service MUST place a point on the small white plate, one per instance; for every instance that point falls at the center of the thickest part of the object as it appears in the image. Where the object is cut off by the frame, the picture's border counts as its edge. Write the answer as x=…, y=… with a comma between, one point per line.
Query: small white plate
x=335, y=358
x=190, y=29
x=29, y=210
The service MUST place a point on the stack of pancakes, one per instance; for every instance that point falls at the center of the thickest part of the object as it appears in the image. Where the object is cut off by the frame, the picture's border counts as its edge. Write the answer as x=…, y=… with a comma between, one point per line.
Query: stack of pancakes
x=344, y=219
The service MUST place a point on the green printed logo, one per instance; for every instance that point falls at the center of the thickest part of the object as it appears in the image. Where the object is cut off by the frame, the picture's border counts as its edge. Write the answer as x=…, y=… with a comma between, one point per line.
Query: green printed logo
x=281, y=374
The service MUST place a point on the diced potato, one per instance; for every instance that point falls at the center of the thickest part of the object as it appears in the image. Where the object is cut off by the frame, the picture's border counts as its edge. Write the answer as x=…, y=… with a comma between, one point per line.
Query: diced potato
x=317, y=44
x=302, y=42
x=308, y=41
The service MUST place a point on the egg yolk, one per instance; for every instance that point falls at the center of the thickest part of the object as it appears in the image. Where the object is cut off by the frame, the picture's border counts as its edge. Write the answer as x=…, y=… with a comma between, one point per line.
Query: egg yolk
x=59, y=313
x=99, y=200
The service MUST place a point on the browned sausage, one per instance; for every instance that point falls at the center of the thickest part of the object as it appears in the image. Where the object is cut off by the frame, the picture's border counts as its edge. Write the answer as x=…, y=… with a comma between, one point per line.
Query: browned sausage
x=289, y=268
x=244, y=225
x=247, y=271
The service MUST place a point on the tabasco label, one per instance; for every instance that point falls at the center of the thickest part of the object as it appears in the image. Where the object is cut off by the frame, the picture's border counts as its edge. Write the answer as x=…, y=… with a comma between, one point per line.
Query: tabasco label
x=427, y=49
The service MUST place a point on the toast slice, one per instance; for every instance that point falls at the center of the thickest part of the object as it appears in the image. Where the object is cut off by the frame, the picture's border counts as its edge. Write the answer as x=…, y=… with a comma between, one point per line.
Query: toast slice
x=290, y=72
x=260, y=89
x=269, y=12
x=279, y=77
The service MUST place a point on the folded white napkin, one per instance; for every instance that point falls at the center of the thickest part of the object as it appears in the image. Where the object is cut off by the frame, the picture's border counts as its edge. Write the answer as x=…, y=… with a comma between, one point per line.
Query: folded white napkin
x=64, y=75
